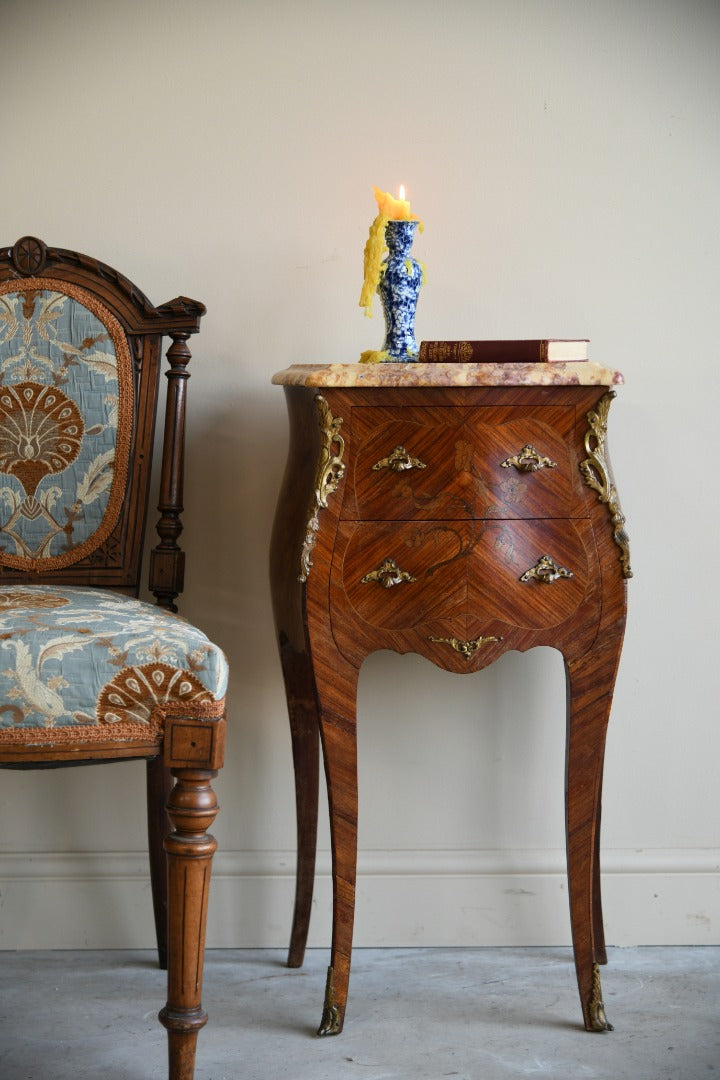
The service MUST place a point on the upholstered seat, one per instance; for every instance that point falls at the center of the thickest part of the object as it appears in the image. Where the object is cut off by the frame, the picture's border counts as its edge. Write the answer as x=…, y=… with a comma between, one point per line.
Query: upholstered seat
x=81, y=666
x=88, y=672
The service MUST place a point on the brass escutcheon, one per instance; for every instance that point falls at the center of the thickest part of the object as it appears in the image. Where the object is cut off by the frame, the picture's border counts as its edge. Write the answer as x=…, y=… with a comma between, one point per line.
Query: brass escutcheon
x=528, y=460
x=465, y=648
x=387, y=575
x=546, y=571
x=399, y=461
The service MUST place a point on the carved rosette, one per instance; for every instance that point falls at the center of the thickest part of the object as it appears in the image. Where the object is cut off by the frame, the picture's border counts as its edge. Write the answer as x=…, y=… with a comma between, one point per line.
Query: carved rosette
x=596, y=473
x=29, y=255
x=330, y=471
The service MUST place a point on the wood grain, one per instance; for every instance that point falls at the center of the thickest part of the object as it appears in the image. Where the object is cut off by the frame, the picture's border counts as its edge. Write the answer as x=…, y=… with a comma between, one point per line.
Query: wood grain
x=116, y=565
x=464, y=529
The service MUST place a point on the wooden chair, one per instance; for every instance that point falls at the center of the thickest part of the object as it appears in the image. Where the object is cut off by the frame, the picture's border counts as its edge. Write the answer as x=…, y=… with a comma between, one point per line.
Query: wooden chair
x=88, y=672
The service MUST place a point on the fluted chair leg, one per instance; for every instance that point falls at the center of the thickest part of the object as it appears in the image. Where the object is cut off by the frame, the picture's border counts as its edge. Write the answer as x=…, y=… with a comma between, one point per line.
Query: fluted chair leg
x=192, y=807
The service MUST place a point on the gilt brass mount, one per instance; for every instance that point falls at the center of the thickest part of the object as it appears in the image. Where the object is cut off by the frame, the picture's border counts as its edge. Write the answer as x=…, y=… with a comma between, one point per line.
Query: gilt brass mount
x=387, y=575
x=465, y=648
x=331, y=1022
x=546, y=571
x=528, y=460
x=596, y=1008
x=399, y=461
x=596, y=474
x=329, y=473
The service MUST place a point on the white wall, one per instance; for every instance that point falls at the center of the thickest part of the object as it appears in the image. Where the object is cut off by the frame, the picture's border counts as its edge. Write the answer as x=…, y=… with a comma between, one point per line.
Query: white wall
x=565, y=158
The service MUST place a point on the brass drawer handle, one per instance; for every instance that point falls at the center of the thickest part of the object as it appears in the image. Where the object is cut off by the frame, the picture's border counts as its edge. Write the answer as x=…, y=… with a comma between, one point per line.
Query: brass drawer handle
x=529, y=460
x=387, y=575
x=399, y=461
x=546, y=571
x=465, y=648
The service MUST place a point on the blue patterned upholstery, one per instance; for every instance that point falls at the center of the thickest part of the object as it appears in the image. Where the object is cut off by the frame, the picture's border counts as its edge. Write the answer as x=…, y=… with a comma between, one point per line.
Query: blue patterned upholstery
x=66, y=394
x=83, y=665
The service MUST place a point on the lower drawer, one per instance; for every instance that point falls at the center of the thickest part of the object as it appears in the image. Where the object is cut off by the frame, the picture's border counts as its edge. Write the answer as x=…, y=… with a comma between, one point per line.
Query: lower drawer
x=529, y=574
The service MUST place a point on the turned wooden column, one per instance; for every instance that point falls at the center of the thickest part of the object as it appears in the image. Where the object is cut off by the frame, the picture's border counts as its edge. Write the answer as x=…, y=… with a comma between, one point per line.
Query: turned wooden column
x=194, y=750
x=192, y=808
x=167, y=572
x=167, y=559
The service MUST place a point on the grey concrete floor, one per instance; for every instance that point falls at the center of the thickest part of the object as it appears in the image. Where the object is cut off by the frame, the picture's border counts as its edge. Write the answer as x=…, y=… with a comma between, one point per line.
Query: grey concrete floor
x=413, y=1014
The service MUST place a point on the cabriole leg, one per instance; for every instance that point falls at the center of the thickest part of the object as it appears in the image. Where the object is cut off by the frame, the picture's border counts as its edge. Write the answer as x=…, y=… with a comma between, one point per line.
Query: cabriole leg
x=590, y=687
x=598, y=924
x=305, y=735
x=338, y=732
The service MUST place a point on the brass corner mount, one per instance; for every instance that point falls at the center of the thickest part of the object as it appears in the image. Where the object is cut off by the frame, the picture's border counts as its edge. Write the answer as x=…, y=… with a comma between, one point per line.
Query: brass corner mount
x=595, y=471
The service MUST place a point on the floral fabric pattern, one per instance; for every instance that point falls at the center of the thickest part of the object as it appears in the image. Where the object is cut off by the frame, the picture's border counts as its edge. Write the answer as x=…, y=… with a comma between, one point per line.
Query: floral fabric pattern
x=65, y=408
x=85, y=664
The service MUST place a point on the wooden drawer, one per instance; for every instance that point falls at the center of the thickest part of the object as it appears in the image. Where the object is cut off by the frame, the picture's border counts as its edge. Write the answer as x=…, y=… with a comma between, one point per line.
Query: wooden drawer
x=442, y=464
x=431, y=562
x=413, y=464
x=507, y=579
x=398, y=576
x=525, y=460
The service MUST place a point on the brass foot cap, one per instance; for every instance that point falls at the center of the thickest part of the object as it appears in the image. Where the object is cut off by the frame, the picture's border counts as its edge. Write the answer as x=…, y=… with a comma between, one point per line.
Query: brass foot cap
x=332, y=1021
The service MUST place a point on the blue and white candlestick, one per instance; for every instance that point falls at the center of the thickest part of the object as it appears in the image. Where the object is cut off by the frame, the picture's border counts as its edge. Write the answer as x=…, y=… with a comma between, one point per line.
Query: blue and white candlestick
x=400, y=280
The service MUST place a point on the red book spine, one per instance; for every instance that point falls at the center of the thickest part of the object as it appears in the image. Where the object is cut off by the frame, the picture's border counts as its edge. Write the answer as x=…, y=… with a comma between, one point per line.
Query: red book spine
x=532, y=351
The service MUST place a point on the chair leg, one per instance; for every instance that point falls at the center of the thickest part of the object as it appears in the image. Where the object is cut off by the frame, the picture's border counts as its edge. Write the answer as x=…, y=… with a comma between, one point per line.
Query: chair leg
x=192, y=808
x=159, y=785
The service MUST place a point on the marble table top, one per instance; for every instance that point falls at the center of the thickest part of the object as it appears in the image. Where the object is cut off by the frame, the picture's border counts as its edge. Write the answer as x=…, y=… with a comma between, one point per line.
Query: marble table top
x=411, y=374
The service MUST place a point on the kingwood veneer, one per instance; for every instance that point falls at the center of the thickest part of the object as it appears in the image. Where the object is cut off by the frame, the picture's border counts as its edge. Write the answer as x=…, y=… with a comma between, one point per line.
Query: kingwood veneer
x=458, y=512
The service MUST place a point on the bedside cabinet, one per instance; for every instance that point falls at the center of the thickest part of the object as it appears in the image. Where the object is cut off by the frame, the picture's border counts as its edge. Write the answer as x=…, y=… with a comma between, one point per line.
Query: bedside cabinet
x=456, y=511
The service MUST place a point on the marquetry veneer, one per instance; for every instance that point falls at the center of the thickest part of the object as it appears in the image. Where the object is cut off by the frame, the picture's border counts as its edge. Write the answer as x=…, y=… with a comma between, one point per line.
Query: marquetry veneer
x=458, y=512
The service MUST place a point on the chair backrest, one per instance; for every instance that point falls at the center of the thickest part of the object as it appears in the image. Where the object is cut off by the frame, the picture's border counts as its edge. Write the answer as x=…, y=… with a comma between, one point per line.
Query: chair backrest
x=80, y=351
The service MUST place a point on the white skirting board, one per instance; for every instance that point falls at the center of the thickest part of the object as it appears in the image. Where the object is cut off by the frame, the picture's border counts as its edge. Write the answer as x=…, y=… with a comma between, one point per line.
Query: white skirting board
x=404, y=898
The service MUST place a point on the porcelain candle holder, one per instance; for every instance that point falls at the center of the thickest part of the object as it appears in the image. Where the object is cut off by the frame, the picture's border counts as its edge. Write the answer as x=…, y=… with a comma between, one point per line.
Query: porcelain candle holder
x=400, y=280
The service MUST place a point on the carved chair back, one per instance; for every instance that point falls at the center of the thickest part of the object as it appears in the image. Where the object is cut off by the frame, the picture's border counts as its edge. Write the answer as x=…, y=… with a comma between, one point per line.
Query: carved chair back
x=88, y=676
x=79, y=379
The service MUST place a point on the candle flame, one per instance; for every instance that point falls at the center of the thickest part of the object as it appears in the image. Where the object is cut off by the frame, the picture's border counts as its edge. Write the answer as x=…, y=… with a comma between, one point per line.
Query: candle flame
x=401, y=192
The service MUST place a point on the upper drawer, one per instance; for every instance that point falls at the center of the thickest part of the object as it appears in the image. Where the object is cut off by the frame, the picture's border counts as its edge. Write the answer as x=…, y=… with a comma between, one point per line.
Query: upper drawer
x=413, y=464
x=444, y=464
x=526, y=462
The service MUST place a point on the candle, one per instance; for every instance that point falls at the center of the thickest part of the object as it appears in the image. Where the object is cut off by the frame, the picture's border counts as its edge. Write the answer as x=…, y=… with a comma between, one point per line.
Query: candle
x=389, y=209
x=394, y=209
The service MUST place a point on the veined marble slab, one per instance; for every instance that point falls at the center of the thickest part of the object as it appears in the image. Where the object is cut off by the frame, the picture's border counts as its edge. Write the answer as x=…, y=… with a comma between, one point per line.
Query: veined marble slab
x=412, y=374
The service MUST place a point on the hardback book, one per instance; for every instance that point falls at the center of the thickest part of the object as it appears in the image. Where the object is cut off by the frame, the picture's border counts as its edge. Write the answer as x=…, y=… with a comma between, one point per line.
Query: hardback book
x=535, y=351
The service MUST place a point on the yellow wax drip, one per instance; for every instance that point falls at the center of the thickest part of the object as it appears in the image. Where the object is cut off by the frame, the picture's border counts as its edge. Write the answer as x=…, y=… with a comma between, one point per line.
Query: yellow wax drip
x=375, y=248
x=374, y=356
